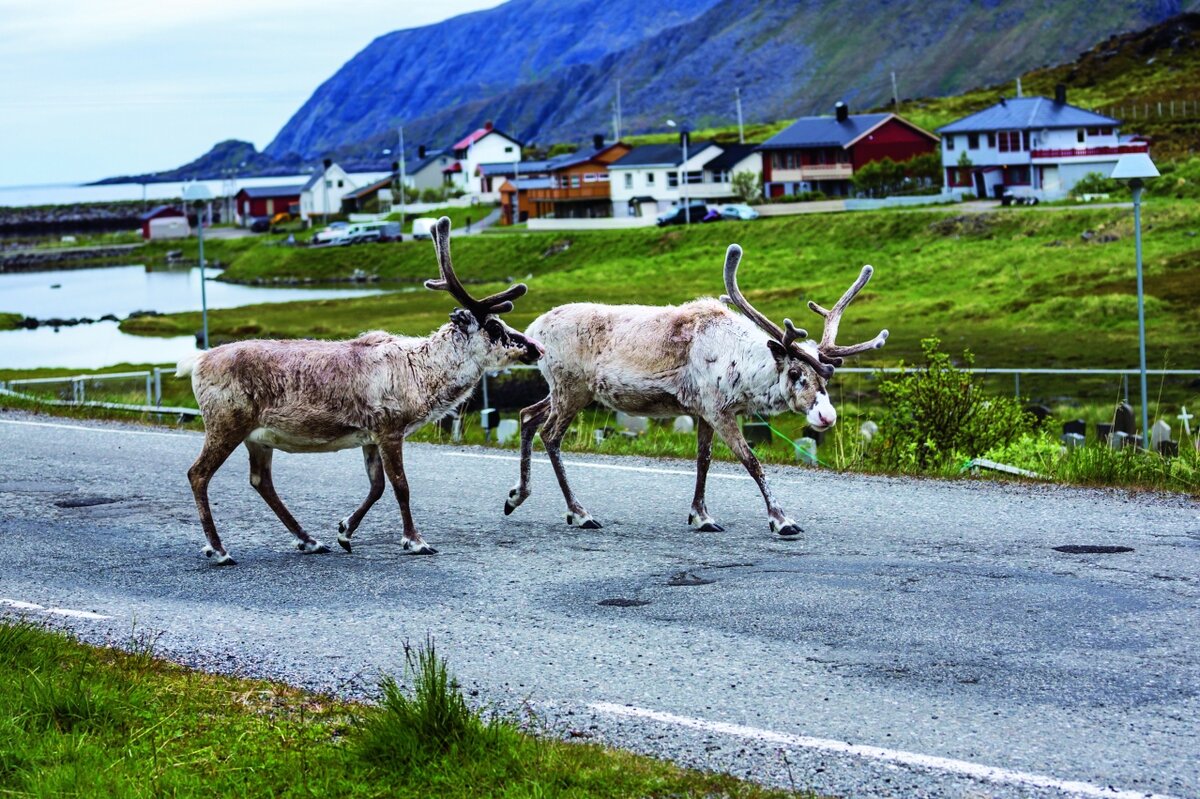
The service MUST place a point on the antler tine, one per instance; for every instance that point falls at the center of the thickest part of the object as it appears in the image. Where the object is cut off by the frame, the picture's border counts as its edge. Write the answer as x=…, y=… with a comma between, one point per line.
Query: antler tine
x=498, y=303
x=831, y=352
x=793, y=333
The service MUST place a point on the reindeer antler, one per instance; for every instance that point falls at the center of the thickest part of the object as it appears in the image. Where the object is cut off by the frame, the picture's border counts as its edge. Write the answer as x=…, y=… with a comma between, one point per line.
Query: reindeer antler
x=498, y=303
x=733, y=257
x=832, y=352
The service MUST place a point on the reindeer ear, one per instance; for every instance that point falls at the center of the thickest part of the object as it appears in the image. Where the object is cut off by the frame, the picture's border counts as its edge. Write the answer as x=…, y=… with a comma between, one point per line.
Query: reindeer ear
x=780, y=352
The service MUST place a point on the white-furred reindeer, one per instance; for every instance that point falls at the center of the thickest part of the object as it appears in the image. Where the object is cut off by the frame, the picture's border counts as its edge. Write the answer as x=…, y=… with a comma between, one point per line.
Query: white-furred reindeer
x=323, y=396
x=700, y=359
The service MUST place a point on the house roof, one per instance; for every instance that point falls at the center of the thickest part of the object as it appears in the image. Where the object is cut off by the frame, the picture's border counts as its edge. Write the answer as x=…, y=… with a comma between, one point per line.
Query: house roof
x=525, y=184
x=417, y=164
x=824, y=131
x=160, y=210
x=505, y=168
x=368, y=190
x=269, y=192
x=455, y=167
x=669, y=154
x=1025, y=113
x=733, y=155
x=476, y=135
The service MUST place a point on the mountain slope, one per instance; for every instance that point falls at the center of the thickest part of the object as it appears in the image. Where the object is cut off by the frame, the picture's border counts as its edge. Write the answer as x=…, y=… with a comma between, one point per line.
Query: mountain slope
x=788, y=57
x=410, y=74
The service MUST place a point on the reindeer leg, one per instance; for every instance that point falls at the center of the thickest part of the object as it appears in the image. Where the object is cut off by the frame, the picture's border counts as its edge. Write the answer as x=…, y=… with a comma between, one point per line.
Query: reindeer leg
x=260, y=478
x=348, y=525
x=699, y=517
x=562, y=412
x=392, y=450
x=218, y=446
x=531, y=418
x=781, y=525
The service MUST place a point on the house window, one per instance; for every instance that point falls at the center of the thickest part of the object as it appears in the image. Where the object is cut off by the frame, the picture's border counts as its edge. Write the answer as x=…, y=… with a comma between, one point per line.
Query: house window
x=972, y=141
x=672, y=179
x=991, y=140
x=1079, y=137
x=1016, y=176
x=574, y=181
x=329, y=184
x=1010, y=141
x=649, y=178
x=949, y=142
x=792, y=160
x=341, y=183
x=508, y=149
x=629, y=180
x=1025, y=140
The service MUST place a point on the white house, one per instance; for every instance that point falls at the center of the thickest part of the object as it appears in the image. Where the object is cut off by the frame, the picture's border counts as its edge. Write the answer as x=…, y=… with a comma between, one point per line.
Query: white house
x=487, y=145
x=322, y=194
x=1033, y=145
x=646, y=180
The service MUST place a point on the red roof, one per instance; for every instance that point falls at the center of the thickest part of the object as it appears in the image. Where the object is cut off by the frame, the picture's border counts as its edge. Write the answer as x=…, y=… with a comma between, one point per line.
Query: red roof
x=471, y=138
x=455, y=167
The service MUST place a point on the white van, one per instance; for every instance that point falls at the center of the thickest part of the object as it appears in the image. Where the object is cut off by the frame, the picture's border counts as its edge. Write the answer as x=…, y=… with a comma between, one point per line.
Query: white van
x=423, y=227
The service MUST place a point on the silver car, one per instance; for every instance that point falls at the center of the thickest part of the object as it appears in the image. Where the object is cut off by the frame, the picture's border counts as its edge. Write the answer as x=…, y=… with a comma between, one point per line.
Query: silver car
x=738, y=211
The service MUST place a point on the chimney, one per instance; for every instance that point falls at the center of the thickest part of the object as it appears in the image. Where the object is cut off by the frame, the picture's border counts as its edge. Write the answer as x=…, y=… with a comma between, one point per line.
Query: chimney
x=598, y=141
x=1060, y=93
x=328, y=162
x=488, y=125
x=396, y=166
x=1003, y=102
x=421, y=152
x=842, y=112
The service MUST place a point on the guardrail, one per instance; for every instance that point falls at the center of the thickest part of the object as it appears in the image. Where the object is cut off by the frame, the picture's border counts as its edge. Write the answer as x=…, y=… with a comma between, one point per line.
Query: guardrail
x=153, y=383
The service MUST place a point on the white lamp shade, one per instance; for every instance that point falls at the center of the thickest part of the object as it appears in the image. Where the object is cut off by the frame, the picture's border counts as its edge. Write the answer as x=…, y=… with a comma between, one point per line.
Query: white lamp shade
x=1134, y=165
x=199, y=192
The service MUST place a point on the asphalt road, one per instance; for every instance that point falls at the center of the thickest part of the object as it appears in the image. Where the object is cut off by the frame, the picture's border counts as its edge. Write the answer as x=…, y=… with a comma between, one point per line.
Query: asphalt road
x=922, y=639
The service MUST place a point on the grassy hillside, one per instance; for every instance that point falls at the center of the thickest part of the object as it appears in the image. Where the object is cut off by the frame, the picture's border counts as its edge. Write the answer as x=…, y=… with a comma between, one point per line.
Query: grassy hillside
x=1020, y=287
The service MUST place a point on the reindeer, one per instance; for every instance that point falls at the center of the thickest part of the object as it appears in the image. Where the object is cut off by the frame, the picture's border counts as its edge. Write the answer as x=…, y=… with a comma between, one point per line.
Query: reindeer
x=370, y=392
x=699, y=359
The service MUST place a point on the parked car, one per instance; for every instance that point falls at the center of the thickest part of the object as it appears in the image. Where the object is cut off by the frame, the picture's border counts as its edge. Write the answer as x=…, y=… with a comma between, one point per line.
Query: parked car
x=260, y=224
x=281, y=218
x=738, y=211
x=330, y=233
x=423, y=228
x=364, y=232
x=677, y=216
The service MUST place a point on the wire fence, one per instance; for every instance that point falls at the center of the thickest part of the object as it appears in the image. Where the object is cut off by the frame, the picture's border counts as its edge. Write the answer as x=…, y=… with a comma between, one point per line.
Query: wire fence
x=1160, y=109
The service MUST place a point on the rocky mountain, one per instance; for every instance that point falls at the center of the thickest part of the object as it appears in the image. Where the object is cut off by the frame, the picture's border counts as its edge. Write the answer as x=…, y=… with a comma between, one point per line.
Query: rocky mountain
x=547, y=70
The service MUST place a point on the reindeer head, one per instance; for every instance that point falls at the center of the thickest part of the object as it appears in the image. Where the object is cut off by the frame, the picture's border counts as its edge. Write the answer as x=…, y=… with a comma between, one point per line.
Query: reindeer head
x=505, y=345
x=804, y=368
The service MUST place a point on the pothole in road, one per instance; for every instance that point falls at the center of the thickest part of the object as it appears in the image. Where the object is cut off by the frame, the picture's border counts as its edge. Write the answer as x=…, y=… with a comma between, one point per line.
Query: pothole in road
x=622, y=602
x=84, y=502
x=687, y=578
x=1091, y=549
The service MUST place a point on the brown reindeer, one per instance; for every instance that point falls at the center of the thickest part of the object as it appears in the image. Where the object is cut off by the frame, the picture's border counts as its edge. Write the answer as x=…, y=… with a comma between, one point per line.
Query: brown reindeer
x=322, y=396
x=699, y=359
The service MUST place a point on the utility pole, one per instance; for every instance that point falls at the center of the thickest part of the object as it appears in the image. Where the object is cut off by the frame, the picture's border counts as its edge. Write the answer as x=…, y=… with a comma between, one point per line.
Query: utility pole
x=402, y=188
x=737, y=93
x=687, y=210
x=895, y=94
x=618, y=114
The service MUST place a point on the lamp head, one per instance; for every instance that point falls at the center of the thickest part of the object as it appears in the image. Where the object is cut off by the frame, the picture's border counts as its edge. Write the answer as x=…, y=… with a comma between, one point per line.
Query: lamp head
x=1134, y=166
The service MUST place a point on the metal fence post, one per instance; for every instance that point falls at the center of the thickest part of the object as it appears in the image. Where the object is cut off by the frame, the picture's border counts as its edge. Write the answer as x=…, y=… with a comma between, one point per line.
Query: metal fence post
x=149, y=390
x=158, y=386
x=1017, y=385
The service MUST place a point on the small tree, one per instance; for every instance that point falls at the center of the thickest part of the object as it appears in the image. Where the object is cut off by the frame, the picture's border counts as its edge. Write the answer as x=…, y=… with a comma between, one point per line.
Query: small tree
x=747, y=186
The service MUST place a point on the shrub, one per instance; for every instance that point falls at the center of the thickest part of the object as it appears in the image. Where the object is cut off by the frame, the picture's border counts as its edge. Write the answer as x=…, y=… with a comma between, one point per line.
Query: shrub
x=432, y=195
x=747, y=186
x=802, y=197
x=940, y=413
x=1094, y=183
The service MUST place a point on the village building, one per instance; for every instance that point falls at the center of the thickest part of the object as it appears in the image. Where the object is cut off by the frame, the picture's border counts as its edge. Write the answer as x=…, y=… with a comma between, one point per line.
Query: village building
x=821, y=153
x=646, y=180
x=374, y=198
x=716, y=181
x=578, y=183
x=322, y=194
x=426, y=171
x=1033, y=145
x=265, y=201
x=486, y=145
x=164, y=222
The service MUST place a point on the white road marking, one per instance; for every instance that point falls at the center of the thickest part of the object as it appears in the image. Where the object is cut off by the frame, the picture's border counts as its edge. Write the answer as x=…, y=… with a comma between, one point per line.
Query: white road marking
x=965, y=768
x=74, y=614
x=611, y=466
x=98, y=429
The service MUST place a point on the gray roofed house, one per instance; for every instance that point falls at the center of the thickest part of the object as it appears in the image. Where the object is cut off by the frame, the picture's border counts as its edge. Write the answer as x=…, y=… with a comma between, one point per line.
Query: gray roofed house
x=824, y=131
x=649, y=155
x=1030, y=148
x=263, y=192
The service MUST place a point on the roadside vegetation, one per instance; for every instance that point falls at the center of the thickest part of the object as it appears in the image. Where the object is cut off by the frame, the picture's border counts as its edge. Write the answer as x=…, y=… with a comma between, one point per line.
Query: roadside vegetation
x=98, y=721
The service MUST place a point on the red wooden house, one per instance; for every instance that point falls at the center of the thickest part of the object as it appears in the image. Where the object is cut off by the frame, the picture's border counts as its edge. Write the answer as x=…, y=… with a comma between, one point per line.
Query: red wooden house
x=253, y=201
x=822, y=153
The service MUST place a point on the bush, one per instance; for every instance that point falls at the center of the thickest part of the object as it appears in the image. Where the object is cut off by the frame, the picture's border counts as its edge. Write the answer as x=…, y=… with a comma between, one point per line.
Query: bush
x=1180, y=179
x=1095, y=183
x=939, y=414
x=802, y=197
x=432, y=195
x=747, y=186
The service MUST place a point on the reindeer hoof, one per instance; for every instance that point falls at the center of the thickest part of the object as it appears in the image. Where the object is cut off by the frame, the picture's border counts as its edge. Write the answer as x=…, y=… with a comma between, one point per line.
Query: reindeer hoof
x=704, y=525
x=514, y=500
x=583, y=522
x=418, y=547
x=509, y=507
x=344, y=541
x=223, y=558
x=789, y=531
x=311, y=547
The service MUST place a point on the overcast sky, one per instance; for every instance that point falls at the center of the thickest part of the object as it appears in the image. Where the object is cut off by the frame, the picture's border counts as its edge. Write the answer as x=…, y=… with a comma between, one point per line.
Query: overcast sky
x=94, y=88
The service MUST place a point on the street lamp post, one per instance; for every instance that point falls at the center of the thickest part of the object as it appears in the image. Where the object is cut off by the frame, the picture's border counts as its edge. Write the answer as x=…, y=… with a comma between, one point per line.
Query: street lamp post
x=198, y=195
x=1136, y=168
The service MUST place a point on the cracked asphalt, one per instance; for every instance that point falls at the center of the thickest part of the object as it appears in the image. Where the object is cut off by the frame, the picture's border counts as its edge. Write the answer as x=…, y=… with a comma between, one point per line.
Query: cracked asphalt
x=925, y=617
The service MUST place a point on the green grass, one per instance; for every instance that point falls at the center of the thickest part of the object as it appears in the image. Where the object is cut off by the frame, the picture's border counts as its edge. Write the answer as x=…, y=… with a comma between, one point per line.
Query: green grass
x=458, y=215
x=9, y=321
x=77, y=720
